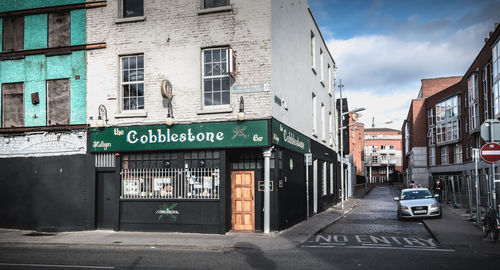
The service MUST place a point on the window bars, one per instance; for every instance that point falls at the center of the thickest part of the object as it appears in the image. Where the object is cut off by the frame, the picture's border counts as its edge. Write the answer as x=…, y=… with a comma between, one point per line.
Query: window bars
x=194, y=183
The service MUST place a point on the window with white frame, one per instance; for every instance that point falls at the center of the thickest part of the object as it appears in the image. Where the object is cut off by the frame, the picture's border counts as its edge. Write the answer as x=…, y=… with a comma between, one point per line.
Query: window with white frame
x=391, y=147
x=432, y=156
x=323, y=123
x=374, y=149
x=495, y=75
x=430, y=117
x=444, y=155
x=321, y=68
x=473, y=94
x=383, y=157
x=132, y=82
x=458, y=153
x=216, y=78
x=330, y=128
x=314, y=115
x=485, y=91
x=131, y=8
x=215, y=3
x=330, y=82
x=392, y=158
x=374, y=159
x=430, y=136
x=313, y=51
x=382, y=147
x=447, y=120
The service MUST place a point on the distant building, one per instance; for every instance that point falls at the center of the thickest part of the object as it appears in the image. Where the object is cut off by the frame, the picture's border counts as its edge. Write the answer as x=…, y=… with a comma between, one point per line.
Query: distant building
x=383, y=154
x=357, y=145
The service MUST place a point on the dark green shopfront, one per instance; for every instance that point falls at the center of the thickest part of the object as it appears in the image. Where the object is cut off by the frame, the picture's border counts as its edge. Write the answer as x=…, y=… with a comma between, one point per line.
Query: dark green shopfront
x=208, y=177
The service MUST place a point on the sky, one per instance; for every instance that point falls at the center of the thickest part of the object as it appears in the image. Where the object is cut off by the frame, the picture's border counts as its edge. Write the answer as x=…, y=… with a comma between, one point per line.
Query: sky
x=383, y=48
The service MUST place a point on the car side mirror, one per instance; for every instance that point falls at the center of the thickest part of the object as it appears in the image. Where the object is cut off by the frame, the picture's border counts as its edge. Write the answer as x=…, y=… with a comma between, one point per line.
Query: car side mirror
x=396, y=198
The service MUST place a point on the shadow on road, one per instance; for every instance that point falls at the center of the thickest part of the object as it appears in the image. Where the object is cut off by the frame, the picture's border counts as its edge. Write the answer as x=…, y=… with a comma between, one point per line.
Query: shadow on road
x=254, y=256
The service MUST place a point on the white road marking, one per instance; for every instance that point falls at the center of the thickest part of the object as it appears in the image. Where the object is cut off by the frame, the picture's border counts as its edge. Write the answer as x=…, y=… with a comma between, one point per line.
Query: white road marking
x=370, y=247
x=58, y=265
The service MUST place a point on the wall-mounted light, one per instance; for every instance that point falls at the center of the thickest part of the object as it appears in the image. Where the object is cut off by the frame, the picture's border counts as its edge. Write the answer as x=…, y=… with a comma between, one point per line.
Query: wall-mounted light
x=170, y=115
x=102, y=119
x=241, y=114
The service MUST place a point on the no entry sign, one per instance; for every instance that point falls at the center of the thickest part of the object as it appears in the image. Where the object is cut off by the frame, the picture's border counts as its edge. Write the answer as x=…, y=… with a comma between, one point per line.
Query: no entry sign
x=490, y=152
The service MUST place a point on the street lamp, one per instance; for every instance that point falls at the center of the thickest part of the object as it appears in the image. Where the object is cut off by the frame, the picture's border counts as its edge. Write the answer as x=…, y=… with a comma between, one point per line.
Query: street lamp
x=342, y=142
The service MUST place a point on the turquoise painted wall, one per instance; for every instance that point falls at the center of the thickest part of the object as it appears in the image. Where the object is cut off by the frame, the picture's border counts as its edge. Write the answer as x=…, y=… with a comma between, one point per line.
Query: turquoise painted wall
x=35, y=32
x=35, y=70
x=10, y=5
x=1, y=31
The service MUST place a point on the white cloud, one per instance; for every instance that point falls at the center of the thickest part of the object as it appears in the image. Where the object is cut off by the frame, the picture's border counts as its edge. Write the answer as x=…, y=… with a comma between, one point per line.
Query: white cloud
x=382, y=72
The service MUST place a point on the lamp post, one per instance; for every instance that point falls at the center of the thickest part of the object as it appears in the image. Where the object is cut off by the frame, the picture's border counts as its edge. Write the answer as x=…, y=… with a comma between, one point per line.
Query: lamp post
x=342, y=113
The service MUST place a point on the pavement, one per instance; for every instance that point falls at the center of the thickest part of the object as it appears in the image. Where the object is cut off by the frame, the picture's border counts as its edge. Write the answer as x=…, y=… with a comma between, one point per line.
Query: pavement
x=286, y=239
x=455, y=230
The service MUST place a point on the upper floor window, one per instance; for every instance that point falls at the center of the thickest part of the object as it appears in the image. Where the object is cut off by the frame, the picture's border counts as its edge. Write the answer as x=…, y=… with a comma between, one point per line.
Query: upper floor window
x=58, y=102
x=485, y=91
x=216, y=78
x=382, y=147
x=430, y=117
x=432, y=156
x=321, y=69
x=374, y=159
x=330, y=82
x=59, y=30
x=314, y=115
x=215, y=3
x=495, y=75
x=458, y=153
x=447, y=109
x=13, y=34
x=132, y=8
x=473, y=94
x=391, y=147
x=12, y=105
x=313, y=51
x=132, y=82
x=444, y=155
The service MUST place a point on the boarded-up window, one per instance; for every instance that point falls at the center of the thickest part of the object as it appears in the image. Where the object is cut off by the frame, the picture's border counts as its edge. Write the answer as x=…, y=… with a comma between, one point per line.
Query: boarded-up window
x=12, y=105
x=58, y=109
x=59, y=33
x=13, y=33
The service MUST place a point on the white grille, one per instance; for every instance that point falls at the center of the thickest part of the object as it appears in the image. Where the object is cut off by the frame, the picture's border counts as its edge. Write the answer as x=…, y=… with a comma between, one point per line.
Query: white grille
x=104, y=160
x=195, y=183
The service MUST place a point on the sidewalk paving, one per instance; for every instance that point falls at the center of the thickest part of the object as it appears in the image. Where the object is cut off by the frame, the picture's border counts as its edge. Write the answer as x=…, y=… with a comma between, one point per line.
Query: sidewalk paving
x=285, y=239
x=454, y=230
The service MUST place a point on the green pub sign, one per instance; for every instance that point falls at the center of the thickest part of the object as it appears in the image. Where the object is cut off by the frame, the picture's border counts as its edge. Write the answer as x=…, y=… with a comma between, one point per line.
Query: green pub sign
x=180, y=136
x=289, y=138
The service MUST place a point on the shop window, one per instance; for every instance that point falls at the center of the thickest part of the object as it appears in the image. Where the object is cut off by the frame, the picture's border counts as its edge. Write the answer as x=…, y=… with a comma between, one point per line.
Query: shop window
x=58, y=104
x=216, y=78
x=215, y=3
x=250, y=161
x=132, y=82
x=59, y=30
x=12, y=105
x=171, y=175
x=132, y=8
x=13, y=34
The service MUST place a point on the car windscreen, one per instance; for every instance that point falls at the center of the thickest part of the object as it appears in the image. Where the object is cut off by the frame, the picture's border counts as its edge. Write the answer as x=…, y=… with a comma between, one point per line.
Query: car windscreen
x=416, y=194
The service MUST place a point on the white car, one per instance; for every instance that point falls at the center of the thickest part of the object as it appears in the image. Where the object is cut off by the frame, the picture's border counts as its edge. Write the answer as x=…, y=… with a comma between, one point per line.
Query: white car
x=417, y=203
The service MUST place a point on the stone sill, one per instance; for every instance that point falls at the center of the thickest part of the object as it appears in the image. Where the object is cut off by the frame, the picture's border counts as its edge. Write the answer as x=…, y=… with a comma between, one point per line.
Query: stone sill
x=130, y=19
x=214, y=10
x=215, y=110
x=131, y=114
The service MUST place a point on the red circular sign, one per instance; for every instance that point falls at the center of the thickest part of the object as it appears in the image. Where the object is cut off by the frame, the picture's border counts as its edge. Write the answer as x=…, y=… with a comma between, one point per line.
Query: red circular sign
x=490, y=152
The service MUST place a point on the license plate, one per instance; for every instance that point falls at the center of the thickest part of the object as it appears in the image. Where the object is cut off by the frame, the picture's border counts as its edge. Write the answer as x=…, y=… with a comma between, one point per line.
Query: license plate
x=420, y=211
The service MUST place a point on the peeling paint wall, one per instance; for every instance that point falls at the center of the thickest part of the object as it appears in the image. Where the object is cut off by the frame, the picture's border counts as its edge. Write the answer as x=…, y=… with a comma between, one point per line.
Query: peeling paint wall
x=11, y=5
x=34, y=70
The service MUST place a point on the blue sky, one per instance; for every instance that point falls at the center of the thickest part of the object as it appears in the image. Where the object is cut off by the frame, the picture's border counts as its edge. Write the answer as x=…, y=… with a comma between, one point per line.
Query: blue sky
x=383, y=48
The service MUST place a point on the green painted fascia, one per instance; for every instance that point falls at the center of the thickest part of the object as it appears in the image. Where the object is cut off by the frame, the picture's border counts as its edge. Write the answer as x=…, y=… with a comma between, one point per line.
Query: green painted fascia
x=35, y=32
x=78, y=27
x=11, y=5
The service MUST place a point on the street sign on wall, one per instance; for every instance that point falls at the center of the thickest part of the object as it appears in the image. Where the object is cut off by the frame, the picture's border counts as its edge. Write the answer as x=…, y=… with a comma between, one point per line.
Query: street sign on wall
x=490, y=152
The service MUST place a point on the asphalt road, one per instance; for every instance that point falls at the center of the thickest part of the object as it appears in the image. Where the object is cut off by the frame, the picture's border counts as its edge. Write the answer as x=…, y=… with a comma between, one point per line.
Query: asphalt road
x=369, y=237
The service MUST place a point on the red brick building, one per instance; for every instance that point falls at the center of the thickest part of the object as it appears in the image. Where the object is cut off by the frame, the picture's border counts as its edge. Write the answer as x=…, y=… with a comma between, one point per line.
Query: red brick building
x=383, y=155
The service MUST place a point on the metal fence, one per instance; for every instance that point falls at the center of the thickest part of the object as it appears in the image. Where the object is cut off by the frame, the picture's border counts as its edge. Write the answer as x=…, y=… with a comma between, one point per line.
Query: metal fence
x=462, y=191
x=195, y=183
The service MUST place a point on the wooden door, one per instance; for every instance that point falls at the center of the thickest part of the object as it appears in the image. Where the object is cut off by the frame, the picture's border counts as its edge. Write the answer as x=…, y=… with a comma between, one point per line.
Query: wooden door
x=242, y=201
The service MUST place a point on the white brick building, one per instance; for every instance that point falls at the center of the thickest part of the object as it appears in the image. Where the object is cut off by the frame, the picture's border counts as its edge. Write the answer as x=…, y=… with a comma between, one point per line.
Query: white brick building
x=283, y=72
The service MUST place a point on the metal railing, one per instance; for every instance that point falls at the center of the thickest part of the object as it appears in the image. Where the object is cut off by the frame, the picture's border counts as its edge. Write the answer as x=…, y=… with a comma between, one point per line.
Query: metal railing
x=461, y=192
x=194, y=183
